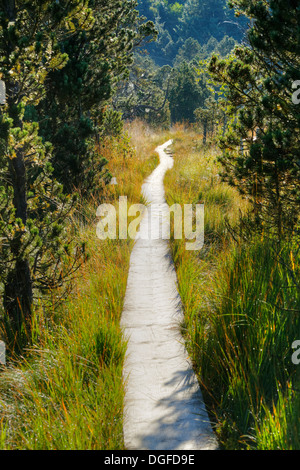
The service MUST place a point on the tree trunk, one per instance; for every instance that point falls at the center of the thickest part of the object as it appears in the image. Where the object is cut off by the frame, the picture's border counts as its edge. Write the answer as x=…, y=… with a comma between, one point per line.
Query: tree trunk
x=204, y=131
x=278, y=205
x=18, y=296
x=224, y=124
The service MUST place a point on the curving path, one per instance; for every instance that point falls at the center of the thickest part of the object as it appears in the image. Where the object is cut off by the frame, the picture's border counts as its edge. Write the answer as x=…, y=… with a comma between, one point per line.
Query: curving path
x=164, y=408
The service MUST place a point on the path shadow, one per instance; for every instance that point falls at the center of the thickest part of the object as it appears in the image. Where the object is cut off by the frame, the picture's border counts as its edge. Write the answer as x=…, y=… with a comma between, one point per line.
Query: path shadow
x=183, y=418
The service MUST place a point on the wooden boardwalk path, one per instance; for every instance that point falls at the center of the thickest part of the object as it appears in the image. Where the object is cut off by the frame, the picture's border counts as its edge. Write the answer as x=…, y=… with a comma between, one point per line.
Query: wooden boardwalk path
x=164, y=408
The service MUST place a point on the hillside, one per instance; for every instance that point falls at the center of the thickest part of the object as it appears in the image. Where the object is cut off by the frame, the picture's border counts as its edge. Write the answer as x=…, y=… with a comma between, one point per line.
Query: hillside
x=204, y=22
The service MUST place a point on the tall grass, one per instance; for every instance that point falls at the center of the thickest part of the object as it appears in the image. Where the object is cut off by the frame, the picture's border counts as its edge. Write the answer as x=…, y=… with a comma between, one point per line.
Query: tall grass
x=252, y=329
x=66, y=390
x=242, y=306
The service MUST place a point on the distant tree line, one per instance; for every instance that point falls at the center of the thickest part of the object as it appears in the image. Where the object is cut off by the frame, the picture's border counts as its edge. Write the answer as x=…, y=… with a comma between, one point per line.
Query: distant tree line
x=204, y=21
x=164, y=95
x=163, y=87
x=230, y=68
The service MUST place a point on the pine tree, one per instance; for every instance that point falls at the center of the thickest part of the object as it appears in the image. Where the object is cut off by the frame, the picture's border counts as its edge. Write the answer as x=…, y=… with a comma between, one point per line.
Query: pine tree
x=203, y=19
x=32, y=208
x=72, y=114
x=209, y=117
x=259, y=78
x=188, y=92
x=144, y=94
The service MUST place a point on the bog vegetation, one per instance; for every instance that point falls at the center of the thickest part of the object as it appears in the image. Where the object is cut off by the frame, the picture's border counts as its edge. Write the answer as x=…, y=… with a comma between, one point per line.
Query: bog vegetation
x=91, y=88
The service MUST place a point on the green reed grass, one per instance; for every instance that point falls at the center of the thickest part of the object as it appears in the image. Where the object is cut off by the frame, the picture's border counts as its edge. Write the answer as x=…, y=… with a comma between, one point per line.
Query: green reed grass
x=242, y=306
x=67, y=391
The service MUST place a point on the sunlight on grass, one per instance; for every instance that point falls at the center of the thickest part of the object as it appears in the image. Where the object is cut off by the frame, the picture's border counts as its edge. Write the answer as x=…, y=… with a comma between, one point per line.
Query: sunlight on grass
x=241, y=305
x=241, y=311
